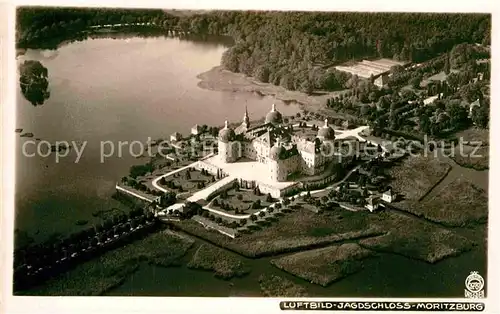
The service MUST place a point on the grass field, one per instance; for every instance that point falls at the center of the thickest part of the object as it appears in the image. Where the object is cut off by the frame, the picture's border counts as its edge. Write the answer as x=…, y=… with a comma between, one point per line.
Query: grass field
x=98, y=275
x=475, y=134
x=292, y=232
x=326, y=265
x=415, y=176
x=225, y=264
x=458, y=204
x=276, y=286
x=416, y=238
x=471, y=158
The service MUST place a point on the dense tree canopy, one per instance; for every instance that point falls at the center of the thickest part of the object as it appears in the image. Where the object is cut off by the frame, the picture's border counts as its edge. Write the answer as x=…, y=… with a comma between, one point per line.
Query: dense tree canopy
x=292, y=49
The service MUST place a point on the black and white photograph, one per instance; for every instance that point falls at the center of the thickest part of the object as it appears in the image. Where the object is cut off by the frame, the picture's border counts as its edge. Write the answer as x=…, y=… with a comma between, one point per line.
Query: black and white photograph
x=250, y=153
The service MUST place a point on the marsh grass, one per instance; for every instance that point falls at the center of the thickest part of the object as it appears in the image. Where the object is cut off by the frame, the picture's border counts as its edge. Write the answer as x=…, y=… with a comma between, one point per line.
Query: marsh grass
x=224, y=264
x=326, y=265
x=416, y=238
x=276, y=286
x=458, y=204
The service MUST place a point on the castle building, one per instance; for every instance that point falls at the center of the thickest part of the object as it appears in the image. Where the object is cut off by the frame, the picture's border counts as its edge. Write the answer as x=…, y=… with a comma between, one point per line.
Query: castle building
x=282, y=149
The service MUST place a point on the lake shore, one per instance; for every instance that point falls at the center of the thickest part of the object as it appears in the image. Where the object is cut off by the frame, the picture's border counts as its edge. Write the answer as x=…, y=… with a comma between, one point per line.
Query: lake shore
x=219, y=79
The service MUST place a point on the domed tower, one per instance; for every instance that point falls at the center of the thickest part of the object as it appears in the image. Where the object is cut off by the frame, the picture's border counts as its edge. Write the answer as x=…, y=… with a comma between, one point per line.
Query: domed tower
x=226, y=136
x=275, y=162
x=274, y=116
x=326, y=133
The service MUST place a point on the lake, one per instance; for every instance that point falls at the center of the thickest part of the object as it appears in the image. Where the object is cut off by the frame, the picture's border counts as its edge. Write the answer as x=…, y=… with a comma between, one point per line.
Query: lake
x=105, y=89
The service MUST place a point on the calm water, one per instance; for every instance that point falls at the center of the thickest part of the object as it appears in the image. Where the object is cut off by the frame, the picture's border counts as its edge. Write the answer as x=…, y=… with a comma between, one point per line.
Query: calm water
x=113, y=90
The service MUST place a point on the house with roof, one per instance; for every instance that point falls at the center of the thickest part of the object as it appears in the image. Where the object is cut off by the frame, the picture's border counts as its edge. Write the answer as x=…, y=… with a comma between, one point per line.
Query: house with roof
x=176, y=136
x=473, y=105
x=196, y=129
x=372, y=203
x=388, y=196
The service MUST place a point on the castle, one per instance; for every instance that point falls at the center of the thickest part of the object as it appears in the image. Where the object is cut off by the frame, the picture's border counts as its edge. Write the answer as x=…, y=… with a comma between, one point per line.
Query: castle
x=285, y=149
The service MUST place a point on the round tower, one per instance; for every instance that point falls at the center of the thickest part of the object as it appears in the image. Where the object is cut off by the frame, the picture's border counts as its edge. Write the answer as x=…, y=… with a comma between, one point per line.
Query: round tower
x=226, y=136
x=275, y=163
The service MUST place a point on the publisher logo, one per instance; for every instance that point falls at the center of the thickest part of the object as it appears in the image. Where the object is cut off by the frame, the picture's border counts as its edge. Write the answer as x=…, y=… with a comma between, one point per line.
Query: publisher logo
x=474, y=284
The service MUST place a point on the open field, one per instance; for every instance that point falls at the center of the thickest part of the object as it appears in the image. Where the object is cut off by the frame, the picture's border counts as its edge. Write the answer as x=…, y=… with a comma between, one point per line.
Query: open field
x=291, y=232
x=474, y=135
x=98, y=275
x=416, y=238
x=415, y=176
x=471, y=158
x=457, y=204
x=225, y=264
x=326, y=265
x=276, y=286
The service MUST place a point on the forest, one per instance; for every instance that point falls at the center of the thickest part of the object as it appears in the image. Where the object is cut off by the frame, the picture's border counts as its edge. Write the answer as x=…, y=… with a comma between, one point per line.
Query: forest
x=293, y=49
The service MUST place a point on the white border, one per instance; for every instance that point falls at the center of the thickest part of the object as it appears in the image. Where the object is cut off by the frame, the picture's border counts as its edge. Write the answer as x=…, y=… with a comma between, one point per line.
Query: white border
x=10, y=304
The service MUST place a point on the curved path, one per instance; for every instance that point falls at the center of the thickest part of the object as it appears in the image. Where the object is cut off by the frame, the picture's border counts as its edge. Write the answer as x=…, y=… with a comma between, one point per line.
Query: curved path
x=203, y=194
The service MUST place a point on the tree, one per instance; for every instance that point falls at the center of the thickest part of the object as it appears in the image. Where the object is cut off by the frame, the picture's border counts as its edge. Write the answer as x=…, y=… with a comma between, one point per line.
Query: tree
x=256, y=204
x=34, y=82
x=286, y=201
x=253, y=217
x=236, y=185
x=243, y=222
x=458, y=116
x=446, y=67
x=415, y=82
x=239, y=197
x=397, y=69
x=262, y=213
x=261, y=73
x=306, y=87
x=424, y=124
x=480, y=116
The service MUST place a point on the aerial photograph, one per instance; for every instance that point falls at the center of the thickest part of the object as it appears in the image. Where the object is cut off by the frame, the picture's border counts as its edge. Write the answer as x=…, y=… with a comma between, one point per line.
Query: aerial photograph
x=216, y=153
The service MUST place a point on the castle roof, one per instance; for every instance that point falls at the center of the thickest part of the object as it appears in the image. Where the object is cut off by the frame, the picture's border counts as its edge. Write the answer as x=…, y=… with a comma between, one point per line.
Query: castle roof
x=326, y=132
x=226, y=134
x=276, y=152
x=274, y=116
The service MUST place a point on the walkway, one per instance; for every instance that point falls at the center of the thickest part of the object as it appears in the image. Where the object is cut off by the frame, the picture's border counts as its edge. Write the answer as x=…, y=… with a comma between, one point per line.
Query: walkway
x=203, y=194
x=191, y=165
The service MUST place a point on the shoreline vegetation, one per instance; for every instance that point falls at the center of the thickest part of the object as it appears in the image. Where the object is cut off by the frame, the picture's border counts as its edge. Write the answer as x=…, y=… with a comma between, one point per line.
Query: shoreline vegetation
x=224, y=264
x=220, y=79
x=326, y=265
x=277, y=286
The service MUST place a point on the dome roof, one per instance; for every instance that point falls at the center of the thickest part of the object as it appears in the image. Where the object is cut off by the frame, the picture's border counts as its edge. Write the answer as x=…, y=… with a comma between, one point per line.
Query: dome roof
x=226, y=134
x=326, y=132
x=275, y=152
x=274, y=116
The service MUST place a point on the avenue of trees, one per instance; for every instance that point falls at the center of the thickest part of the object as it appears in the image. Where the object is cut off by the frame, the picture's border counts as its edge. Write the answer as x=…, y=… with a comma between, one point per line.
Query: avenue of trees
x=35, y=262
